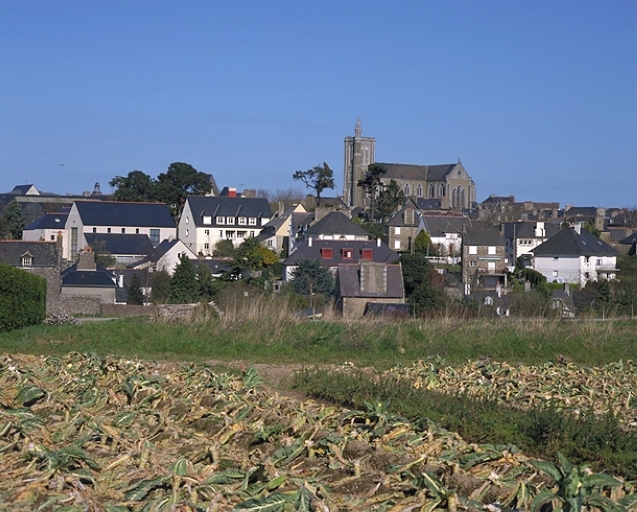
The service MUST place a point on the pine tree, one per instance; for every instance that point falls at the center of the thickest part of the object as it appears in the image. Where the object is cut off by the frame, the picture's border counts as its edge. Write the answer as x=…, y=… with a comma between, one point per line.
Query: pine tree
x=15, y=218
x=135, y=294
x=161, y=287
x=183, y=285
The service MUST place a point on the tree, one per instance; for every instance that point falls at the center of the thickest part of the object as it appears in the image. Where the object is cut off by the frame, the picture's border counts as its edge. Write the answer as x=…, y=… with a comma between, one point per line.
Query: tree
x=253, y=256
x=310, y=278
x=179, y=181
x=372, y=184
x=135, y=294
x=160, y=287
x=415, y=269
x=590, y=227
x=183, y=285
x=318, y=178
x=137, y=186
x=15, y=219
x=223, y=248
x=209, y=287
x=389, y=200
x=422, y=242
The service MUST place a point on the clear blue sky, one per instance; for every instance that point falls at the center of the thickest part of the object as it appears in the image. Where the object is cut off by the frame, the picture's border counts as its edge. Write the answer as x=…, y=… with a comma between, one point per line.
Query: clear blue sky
x=537, y=98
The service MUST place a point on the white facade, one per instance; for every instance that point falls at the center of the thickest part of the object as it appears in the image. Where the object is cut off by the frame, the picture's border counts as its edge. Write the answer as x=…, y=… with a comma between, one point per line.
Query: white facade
x=576, y=269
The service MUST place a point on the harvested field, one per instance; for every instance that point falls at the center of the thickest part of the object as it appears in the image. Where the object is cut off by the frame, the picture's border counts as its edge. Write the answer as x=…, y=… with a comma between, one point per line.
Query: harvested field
x=81, y=432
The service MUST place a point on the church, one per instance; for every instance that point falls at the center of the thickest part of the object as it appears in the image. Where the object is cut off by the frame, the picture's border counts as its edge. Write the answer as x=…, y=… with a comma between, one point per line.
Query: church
x=450, y=184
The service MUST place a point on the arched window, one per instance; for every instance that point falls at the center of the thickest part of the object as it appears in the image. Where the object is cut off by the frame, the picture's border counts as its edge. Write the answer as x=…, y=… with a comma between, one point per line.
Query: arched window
x=419, y=190
x=454, y=197
x=442, y=192
x=432, y=191
x=462, y=197
x=27, y=260
x=406, y=189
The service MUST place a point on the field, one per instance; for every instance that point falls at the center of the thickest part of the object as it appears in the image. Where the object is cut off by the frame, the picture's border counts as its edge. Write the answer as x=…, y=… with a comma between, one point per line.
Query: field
x=133, y=415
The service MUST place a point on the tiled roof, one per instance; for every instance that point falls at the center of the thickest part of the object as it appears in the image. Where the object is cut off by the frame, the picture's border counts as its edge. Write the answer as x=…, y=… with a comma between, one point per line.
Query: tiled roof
x=527, y=230
x=222, y=206
x=55, y=220
x=483, y=237
x=569, y=242
x=119, y=243
x=349, y=278
x=417, y=172
x=438, y=225
x=43, y=254
x=335, y=223
x=306, y=251
x=116, y=213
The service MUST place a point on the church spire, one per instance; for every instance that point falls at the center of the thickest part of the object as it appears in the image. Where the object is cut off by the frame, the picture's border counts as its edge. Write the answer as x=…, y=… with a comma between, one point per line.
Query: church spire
x=358, y=131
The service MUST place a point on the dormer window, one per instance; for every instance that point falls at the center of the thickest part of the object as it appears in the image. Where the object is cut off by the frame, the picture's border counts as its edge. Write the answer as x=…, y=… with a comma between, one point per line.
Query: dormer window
x=242, y=221
x=488, y=301
x=252, y=221
x=27, y=260
x=221, y=220
x=230, y=220
x=326, y=254
x=347, y=254
x=207, y=219
x=367, y=254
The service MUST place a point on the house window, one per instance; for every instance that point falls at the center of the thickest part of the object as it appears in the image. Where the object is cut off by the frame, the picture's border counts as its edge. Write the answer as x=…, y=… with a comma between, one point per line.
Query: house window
x=347, y=254
x=442, y=191
x=406, y=189
x=366, y=254
x=326, y=254
x=252, y=221
x=154, y=237
x=432, y=191
x=555, y=273
x=187, y=219
x=123, y=230
x=73, y=243
x=206, y=232
x=491, y=249
x=186, y=232
x=52, y=238
x=241, y=234
x=27, y=260
x=229, y=235
x=396, y=231
x=396, y=244
x=221, y=233
x=230, y=220
x=419, y=190
x=242, y=221
x=94, y=230
x=108, y=230
x=207, y=219
x=137, y=231
x=252, y=235
x=473, y=249
x=206, y=246
x=221, y=220
x=472, y=263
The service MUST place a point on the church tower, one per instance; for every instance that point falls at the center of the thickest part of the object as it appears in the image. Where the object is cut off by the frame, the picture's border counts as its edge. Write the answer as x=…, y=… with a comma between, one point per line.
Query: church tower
x=359, y=153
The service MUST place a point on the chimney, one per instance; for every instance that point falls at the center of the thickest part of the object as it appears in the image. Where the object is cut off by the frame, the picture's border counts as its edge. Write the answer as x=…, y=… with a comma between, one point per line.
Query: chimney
x=578, y=228
x=539, y=230
x=600, y=214
x=320, y=212
x=309, y=241
x=86, y=261
x=409, y=216
x=232, y=191
x=281, y=208
x=378, y=242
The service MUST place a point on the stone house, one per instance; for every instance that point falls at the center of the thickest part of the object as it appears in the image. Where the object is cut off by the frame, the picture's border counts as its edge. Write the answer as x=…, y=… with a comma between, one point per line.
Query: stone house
x=484, y=262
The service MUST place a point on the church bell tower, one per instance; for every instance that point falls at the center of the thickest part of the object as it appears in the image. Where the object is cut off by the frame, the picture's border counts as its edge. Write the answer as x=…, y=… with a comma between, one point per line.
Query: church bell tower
x=359, y=153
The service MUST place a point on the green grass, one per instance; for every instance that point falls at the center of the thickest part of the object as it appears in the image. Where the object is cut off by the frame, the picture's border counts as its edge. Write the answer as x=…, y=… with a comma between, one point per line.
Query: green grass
x=370, y=343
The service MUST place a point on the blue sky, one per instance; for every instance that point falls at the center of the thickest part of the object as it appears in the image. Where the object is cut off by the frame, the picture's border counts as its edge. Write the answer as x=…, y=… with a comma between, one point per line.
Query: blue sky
x=538, y=99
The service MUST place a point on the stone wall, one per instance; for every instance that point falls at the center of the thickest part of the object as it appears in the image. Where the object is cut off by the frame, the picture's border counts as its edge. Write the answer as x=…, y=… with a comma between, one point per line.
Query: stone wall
x=175, y=312
x=128, y=310
x=78, y=305
x=53, y=286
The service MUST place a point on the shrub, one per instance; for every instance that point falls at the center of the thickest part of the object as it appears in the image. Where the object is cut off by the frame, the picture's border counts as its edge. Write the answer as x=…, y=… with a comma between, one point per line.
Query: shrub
x=22, y=298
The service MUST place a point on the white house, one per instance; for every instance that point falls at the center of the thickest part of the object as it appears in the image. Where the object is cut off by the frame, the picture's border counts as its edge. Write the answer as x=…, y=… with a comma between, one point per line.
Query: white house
x=207, y=220
x=151, y=219
x=575, y=256
x=166, y=256
x=47, y=228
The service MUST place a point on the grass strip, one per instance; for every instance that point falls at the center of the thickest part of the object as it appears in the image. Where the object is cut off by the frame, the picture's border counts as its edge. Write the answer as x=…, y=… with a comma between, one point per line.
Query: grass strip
x=539, y=432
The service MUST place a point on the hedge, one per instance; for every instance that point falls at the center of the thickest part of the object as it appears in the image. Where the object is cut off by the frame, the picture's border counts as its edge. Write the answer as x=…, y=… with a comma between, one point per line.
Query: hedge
x=22, y=298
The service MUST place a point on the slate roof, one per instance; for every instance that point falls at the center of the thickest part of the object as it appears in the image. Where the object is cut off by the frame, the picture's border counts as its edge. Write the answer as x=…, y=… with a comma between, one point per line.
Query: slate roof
x=527, y=229
x=427, y=204
x=387, y=309
x=417, y=172
x=313, y=252
x=335, y=223
x=581, y=211
x=119, y=213
x=21, y=190
x=438, y=225
x=349, y=282
x=43, y=254
x=98, y=278
x=570, y=243
x=222, y=206
x=630, y=239
x=51, y=220
x=155, y=254
x=399, y=218
x=119, y=243
x=483, y=237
